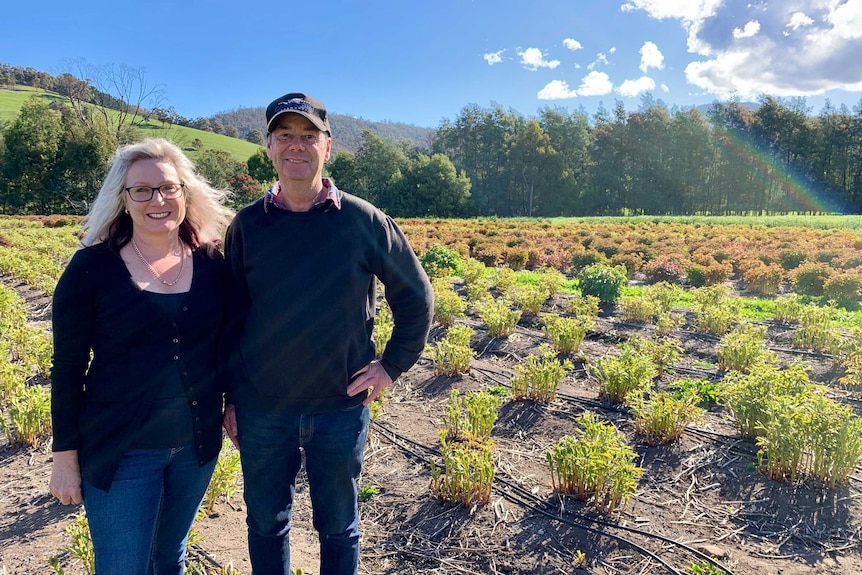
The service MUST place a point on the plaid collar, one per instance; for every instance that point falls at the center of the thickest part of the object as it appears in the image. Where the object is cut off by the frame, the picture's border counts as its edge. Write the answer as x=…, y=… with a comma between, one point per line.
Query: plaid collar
x=329, y=196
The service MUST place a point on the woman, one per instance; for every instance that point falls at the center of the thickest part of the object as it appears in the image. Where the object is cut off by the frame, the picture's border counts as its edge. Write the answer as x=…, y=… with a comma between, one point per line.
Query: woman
x=136, y=396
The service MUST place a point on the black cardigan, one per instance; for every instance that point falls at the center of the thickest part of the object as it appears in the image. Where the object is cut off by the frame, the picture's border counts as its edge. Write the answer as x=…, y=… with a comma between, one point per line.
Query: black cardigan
x=98, y=405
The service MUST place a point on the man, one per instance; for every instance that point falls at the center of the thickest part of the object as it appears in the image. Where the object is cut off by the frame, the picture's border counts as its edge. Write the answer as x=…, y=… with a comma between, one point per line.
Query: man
x=303, y=263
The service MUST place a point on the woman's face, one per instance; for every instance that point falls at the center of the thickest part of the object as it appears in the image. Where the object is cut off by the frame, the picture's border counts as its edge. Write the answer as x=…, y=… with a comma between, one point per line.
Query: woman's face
x=158, y=215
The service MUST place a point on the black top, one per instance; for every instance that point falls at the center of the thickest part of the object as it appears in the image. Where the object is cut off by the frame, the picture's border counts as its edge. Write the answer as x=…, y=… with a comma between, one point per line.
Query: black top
x=303, y=301
x=99, y=407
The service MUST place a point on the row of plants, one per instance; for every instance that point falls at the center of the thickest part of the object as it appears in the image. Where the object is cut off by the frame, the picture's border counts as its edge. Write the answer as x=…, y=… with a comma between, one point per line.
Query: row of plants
x=812, y=262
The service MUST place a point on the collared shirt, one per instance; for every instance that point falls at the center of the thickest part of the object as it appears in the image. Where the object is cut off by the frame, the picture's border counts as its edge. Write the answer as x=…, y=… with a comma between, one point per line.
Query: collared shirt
x=329, y=196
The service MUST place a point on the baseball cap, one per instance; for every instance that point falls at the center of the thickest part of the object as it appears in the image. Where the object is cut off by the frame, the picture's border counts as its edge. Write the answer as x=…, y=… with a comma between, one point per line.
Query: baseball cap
x=297, y=103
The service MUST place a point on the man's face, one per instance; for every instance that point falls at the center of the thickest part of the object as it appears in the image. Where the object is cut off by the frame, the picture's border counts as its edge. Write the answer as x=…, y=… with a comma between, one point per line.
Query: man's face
x=298, y=149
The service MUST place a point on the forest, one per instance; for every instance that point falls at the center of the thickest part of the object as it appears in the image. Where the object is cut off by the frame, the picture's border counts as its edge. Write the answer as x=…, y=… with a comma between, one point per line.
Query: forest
x=771, y=157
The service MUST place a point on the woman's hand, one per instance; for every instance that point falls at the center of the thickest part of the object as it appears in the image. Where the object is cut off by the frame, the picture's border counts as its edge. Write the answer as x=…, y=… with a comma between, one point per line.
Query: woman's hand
x=65, y=482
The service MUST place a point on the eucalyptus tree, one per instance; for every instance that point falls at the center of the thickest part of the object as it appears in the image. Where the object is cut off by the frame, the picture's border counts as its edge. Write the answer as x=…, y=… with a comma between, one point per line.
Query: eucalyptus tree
x=569, y=168
x=31, y=144
x=379, y=168
x=478, y=142
x=430, y=187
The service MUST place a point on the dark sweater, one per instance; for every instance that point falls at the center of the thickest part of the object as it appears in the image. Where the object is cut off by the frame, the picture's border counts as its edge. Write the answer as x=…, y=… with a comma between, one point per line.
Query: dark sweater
x=98, y=406
x=303, y=302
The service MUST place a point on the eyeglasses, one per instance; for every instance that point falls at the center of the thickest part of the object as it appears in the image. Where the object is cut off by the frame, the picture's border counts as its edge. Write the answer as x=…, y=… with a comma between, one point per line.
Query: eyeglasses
x=145, y=193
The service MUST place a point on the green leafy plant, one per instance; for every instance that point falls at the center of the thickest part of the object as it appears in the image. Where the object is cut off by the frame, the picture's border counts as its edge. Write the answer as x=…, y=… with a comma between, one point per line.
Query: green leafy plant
x=504, y=279
x=452, y=354
x=745, y=395
x=584, y=306
x=467, y=472
x=743, y=348
x=663, y=417
x=528, y=298
x=716, y=311
x=29, y=417
x=638, y=308
x=498, y=316
x=448, y=305
x=662, y=351
x=383, y=326
x=472, y=416
x=834, y=435
x=815, y=328
x=781, y=441
x=225, y=477
x=788, y=308
x=703, y=568
x=595, y=463
x=476, y=279
x=81, y=547
x=539, y=376
x=367, y=492
x=630, y=372
x=703, y=391
x=550, y=281
x=566, y=333
x=603, y=281
x=440, y=261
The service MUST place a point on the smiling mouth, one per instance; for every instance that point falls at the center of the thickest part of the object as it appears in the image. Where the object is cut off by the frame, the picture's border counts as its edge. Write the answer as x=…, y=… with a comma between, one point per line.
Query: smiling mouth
x=159, y=216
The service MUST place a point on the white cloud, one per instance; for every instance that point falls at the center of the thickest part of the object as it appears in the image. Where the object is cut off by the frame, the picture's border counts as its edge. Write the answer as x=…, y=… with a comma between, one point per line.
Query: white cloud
x=556, y=90
x=494, y=57
x=651, y=57
x=785, y=49
x=665, y=88
x=572, y=44
x=595, y=84
x=632, y=88
x=533, y=59
x=799, y=20
x=847, y=19
x=685, y=10
x=751, y=29
x=600, y=59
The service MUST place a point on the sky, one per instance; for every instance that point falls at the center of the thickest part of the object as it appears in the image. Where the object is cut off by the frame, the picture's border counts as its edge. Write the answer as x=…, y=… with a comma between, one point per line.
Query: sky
x=422, y=62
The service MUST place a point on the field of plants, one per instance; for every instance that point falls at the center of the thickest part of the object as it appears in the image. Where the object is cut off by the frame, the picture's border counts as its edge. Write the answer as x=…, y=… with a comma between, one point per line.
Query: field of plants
x=608, y=396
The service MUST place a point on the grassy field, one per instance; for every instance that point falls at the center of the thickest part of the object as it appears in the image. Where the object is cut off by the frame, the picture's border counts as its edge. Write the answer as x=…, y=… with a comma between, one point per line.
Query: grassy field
x=12, y=100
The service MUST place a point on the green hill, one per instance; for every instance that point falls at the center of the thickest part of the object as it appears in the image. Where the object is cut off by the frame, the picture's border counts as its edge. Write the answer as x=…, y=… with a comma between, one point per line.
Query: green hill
x=347, y=130
x=12, y=100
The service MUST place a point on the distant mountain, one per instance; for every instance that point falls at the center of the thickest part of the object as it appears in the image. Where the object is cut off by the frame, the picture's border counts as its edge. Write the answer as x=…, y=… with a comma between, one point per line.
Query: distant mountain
x=346, y=130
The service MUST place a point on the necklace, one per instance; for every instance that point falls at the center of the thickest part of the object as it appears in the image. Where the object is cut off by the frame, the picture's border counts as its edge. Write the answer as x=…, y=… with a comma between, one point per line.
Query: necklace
x=156, y=274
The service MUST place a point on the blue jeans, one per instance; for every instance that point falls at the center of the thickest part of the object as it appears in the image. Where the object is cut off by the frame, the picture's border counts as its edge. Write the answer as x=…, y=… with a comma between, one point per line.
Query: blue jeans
x=271, y=449
x=140, y=526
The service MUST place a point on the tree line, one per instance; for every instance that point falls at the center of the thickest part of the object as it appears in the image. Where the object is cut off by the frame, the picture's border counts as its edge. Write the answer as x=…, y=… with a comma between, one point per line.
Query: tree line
x=770, y=158
x=774, y=157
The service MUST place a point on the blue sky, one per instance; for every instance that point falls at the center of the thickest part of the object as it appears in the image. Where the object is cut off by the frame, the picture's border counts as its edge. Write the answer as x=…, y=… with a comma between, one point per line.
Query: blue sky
x=420, y=62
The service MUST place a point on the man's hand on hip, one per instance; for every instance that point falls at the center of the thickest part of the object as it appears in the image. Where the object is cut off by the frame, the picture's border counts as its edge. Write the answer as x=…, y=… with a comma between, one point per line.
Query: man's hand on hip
x=371, y=379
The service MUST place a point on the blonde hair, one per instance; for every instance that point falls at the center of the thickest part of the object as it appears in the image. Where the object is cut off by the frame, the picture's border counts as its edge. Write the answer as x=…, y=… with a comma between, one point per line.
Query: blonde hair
x=206, y=215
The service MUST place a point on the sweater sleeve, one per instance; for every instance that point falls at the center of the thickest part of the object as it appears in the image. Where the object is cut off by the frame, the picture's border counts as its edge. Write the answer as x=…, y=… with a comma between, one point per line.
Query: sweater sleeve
x=238, y=300
x=73, y=317
x=410, y=297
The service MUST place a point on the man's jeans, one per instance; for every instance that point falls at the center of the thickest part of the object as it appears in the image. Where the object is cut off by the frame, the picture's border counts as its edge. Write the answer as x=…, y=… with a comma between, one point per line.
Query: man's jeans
x=271, y=449
x=140, y=526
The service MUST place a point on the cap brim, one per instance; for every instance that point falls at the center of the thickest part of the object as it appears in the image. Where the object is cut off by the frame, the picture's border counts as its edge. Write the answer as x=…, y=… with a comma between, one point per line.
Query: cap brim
x=318, y=123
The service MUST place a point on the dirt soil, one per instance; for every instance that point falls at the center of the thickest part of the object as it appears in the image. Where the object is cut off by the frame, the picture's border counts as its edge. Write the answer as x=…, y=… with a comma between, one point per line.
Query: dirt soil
x=700, y=497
